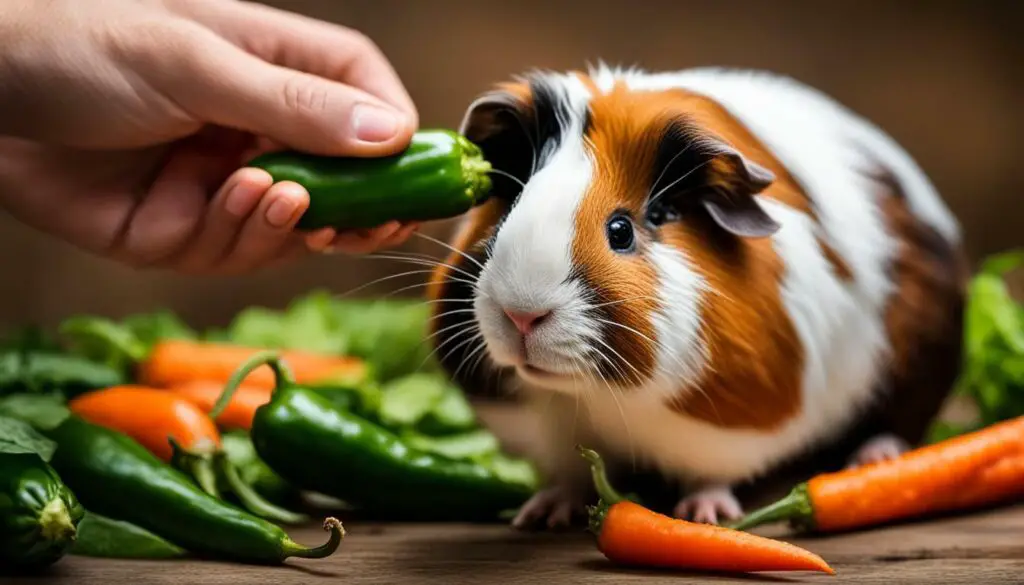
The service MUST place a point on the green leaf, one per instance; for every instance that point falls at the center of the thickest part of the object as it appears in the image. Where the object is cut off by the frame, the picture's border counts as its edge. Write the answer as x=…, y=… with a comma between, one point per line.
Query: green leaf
x=99, y=536
x=18, y=436
x=41, y=411
x=408, y=399
x=103, y=340
x=150, y=328
x=513, y=469
x=1002, y=263
x=470, y=445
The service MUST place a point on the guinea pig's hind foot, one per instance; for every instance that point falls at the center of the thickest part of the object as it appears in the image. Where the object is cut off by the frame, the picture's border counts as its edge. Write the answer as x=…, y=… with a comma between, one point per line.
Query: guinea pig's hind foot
x=709, y=504
x=879, y=448
x=557, y=507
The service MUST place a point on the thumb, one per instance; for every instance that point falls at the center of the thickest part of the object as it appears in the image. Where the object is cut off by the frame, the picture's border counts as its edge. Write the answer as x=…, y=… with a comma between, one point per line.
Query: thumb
x=233, y=88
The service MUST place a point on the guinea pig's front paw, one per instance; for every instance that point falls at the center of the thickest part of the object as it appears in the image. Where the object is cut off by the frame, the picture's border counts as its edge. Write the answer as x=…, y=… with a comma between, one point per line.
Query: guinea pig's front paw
x=879, y=448
x=557, y=507
x=709, y=505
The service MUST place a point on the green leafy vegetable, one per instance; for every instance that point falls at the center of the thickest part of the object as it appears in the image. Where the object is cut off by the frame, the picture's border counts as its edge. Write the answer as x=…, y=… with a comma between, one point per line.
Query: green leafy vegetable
x=18, y=436
x=99, y=536
x=471, y=445
x=992, y=376
x=408, y=399
x=44, y=412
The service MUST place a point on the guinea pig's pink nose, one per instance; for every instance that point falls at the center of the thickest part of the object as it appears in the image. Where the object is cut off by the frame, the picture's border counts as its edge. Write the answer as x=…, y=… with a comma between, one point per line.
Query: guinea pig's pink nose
x=526, y=321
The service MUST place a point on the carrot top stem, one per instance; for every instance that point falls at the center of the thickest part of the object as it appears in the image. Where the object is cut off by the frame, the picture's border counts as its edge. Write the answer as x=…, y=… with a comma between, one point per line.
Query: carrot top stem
x=283, y=377
x=607, y=495
x=796, y=507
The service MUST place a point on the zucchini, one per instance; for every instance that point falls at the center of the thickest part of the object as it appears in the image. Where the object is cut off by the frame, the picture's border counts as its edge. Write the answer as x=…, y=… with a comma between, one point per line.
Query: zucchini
x=39, y=515
x=441, y=174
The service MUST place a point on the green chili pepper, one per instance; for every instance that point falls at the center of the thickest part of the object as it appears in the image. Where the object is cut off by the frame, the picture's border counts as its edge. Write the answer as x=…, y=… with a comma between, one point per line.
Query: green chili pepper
x=39, y=515
x=441, y=174
x=99, y=536
x=117, y=477
x=319, y=447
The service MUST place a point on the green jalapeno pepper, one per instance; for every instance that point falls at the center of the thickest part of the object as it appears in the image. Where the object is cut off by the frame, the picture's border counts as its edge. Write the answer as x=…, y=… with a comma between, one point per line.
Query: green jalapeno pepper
x=316, y=446
x=39, y=515
x=117, y=477
x=441, y=174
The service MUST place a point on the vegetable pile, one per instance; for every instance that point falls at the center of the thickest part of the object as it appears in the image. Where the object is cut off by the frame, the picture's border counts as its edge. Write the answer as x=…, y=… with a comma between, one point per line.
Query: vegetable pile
x=147, y=438
x=143, y=437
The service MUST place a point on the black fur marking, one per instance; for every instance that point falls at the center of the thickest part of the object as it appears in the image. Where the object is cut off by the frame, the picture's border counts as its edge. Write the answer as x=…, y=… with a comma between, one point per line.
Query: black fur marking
x=679, y=153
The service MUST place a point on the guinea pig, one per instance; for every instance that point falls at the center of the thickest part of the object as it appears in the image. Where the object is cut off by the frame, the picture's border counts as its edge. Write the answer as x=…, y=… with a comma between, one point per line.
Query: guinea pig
x=710, y=271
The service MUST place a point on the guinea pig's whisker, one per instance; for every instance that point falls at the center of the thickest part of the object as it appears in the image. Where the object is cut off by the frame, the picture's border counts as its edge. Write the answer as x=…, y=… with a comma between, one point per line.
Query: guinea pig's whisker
x=590, y=307
x=655, y=197
x=450, y=247
x=469, y=328
x=639, y=376
x=654, y=185
x=622, y=414
x=465, y=360
x=509, y=176
x=479, y=335
x=423, y=258
x=382, y=279
x=443, y=329
x=631, y=330
x=479, y=360
x=447, y=300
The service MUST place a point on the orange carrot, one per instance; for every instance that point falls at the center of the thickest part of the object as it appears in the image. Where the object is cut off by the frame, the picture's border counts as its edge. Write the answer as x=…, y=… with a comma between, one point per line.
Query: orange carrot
x=942, y=476
x=239, y=411
x=628, y=533
x=174, y=361
x=150, y=416
x=177, y=431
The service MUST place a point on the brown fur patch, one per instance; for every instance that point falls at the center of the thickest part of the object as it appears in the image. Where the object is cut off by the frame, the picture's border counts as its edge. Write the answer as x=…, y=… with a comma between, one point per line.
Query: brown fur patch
x=924, y=318
x=755, y=357
x=623, y=139
x=839, y=266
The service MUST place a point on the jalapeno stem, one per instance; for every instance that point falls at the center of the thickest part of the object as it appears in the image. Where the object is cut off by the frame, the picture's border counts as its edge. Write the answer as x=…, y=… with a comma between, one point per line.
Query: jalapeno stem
x=608, y=494
x=252, y=500
x=283, y=377
x=197, y=465
x=290, y=548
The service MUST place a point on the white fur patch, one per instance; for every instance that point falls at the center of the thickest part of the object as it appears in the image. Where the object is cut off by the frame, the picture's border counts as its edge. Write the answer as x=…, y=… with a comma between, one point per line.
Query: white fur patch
x=531, y=257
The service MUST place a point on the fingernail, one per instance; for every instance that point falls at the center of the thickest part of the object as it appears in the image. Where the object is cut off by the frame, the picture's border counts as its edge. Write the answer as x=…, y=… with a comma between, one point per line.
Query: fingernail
x=374, y=124
x=281, y=211
x=241, y=200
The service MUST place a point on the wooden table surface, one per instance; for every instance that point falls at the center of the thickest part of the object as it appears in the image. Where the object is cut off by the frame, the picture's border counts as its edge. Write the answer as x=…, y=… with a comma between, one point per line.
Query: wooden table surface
x=986, y=548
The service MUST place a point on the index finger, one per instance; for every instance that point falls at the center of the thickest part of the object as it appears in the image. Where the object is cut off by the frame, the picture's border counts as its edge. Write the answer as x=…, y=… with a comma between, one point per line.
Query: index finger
x=306, y=44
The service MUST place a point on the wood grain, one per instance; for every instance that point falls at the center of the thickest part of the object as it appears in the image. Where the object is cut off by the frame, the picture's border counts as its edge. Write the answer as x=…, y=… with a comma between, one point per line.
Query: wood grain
x=986, y=547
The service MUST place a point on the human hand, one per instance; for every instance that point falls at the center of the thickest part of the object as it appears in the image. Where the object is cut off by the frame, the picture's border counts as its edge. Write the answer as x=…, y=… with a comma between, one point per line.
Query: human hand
x=131, y=147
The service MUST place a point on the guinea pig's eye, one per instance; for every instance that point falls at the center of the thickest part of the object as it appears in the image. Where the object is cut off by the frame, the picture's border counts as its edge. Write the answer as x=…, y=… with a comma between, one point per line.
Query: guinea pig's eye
x=620, y=234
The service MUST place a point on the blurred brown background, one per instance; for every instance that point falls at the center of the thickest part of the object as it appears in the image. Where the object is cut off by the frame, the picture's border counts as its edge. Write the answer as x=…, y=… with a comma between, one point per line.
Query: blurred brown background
x=945, y=78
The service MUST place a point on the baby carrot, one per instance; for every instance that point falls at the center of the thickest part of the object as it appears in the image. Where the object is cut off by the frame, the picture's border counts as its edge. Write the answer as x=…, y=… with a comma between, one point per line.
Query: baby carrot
x=925, y=480
x=174, y=361
x=177, y=431
x=238, y=413
x=628, y=533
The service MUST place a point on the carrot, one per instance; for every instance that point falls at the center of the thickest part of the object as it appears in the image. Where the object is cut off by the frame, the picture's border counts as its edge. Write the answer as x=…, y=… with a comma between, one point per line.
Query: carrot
x=627, y=533
x=150, y=416
x=239, y=411
x=174, y=361
x=176, y=431
x=942, y=476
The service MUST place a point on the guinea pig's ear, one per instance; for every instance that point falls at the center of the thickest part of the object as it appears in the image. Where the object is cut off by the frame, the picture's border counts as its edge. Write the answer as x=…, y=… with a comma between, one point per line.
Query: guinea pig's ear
x=735, y=180
x=491, y=114
x=497, y=122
